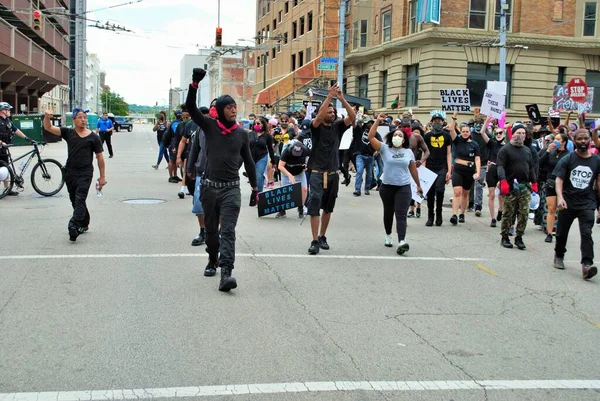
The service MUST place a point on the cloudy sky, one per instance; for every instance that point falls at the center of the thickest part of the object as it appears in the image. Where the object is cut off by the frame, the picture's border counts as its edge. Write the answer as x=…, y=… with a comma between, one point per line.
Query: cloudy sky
x=139, y=64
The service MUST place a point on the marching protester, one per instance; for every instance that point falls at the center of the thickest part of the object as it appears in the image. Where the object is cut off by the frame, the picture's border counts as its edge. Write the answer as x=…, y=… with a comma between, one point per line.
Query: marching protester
x=421, y=152
x=160, y=128
x=292, y=165
x=517, y=175
x=261, y=147
x=439, y=142
x=82, y=145
x=105, y=128
x=195, y=169
x=7, y=133
x=324, y=163
x=395, y=191
x=226, y=144
x=576, y=176
x=467, y=165
x=480, y=134
x=362, y=157
x=171, y=141
x=491, y=178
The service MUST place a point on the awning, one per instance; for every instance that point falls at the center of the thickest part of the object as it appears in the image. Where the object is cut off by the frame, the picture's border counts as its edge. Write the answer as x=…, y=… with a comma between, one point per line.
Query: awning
x=320, y=94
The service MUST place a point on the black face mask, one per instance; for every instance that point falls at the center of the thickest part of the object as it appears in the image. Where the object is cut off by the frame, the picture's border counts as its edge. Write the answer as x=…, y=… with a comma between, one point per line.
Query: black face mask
x=437, y=127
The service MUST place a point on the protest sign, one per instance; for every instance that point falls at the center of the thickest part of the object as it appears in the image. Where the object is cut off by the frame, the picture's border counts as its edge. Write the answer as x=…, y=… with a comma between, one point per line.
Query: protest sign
x=578, y=90
x=346, y=140
x=497, y=87
x=562, y=102
x=534, y=114
x=427, y=178
x=455, y=100
x=492, y=104
x=279, y=199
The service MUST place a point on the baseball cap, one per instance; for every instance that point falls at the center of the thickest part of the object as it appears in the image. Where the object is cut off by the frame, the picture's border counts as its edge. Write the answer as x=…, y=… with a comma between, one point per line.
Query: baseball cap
x=273, y=122
x=305, y=126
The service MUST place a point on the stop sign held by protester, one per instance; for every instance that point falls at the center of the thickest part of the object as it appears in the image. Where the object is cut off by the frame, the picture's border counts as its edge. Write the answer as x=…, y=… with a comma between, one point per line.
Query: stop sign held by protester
x=578, y=90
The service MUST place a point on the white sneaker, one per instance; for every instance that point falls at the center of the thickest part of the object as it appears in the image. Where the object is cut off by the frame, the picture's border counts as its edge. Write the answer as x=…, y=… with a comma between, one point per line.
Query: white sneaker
x=388, y=241
x=402, y=247
x=531, y=216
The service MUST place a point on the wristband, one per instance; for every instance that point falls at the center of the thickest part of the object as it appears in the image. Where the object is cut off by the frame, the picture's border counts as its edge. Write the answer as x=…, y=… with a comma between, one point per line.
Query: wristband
x=194, y=84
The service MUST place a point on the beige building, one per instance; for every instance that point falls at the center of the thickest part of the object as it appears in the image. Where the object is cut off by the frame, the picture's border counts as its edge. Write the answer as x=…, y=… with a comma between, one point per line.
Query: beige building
x=391, y=54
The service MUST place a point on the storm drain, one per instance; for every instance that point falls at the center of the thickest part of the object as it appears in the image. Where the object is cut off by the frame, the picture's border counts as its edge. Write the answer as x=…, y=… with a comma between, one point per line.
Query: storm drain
x=143, y=201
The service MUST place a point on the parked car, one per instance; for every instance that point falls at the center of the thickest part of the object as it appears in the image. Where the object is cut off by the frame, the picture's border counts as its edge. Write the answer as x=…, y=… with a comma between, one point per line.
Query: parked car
x=121, y=123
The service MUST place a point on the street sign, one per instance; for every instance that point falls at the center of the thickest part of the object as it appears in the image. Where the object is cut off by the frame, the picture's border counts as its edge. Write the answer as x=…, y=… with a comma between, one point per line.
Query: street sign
x=329, y=60
x=326, y=67
x=578, y=90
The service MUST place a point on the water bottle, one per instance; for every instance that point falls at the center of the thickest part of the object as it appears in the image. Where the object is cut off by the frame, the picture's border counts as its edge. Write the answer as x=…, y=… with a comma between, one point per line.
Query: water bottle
x=516, y=185
x=98, y=190
x=534, y=203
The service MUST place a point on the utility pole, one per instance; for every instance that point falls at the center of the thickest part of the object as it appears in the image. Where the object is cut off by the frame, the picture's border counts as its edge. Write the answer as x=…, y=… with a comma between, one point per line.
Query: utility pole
x=340, y=72
x=503, y=8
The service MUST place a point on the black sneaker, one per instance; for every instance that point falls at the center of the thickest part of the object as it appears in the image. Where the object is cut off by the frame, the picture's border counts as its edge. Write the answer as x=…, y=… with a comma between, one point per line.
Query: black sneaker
x=493, y=223
x=73, y=233
x=314, y=247
x=548, y=238
x=177, y=179
x=155, y=166
x=418, y=214
x=367, y=192
x=477, y=212
x=410, y=215
x=199, y=240
x=559, y=263
x=181, y=195
x=227, y=282
x=506, y=243
x=323, y=243
x=461, y=218
x=454, y=220
x=281, y=214
x=588, y=271
x=519, y=242
x=210, y=270
x=373, y=185
x=356, y=193
x=173, y=180
x=438, y=220
x=429, y=222
x=499, y=216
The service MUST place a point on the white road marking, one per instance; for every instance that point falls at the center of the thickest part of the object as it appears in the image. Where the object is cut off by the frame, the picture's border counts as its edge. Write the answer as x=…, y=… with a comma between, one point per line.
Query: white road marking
x=300, y=387
x=239, y=255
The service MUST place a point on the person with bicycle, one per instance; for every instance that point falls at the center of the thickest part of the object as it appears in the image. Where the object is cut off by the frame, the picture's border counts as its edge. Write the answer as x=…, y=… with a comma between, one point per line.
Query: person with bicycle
x=82, y=144
x=7, y=133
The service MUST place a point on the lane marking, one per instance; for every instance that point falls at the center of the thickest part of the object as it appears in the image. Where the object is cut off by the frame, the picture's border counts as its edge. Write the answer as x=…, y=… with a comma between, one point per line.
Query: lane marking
x=300, y=387
x=485, y=269
x=239, y=255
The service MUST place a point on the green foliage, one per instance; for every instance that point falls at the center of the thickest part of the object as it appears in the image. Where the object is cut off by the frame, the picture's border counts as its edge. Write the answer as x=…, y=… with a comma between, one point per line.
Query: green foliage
x=141, y=109
x=113, y=103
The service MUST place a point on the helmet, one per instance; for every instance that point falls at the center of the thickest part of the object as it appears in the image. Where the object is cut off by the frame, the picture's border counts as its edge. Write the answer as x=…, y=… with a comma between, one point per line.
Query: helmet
x=5, y=106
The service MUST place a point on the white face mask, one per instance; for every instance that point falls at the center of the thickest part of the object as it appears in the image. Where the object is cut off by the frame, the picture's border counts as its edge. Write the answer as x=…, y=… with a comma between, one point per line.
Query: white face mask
x=397, y=141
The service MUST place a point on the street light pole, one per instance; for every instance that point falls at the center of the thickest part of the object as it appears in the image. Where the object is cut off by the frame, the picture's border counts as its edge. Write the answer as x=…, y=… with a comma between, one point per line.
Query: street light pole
x=503, y=8
x=340, y=64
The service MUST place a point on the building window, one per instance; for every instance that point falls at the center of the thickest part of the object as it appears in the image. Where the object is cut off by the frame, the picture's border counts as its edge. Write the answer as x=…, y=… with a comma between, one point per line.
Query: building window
x=268, y=6
x=295, y=3
x=355, y=34
x=279, y=47
x=308, y=54
x=286, y=7
x=497, y=15
x=592, y=79
x=345, y=85
x=300, y=59
x=258, y=61
x=386, y=26
x=589, y=19
x=274, y=23
x=310, y=22
x=363, y=33
x=280, y=16
x=412, y=85
x=477, y=14
x=348, y=6
x=293, y=62
x=477, y=77
x=294, y=30
x=412, y=24
x=273, y=53
x=268, y=31
x=384, y=84
x=285, y=38
x=562, y=73
x=301, y=26
x=559, y=6
x=363, y=86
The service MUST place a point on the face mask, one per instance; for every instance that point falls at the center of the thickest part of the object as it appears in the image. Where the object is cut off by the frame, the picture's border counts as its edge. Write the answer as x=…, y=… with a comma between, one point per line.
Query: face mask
x=582, y=147
x=257, y=128
x=213, y=112
x=557, y=144
x=477, y=128
x=397, y=141
x=518, y=140
x=437, y=127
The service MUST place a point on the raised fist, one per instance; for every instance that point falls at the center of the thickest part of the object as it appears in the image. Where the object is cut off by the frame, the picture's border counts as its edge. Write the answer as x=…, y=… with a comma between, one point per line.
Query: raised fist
x=198, y=74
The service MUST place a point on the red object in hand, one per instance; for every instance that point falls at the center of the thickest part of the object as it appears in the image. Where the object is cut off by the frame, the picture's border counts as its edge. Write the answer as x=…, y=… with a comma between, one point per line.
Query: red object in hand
x=504, y=187
x=534, y=187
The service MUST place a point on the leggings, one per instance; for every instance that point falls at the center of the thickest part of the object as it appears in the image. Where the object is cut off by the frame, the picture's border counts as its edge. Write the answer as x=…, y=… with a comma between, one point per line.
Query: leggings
x=396, y=200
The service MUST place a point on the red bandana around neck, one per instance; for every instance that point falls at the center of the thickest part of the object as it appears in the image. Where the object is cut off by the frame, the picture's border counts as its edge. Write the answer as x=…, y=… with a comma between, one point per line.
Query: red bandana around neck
x=224, y=129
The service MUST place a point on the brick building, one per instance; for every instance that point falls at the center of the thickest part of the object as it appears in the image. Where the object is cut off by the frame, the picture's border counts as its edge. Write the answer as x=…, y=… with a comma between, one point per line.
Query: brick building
x=232, y=74
x=390, y=54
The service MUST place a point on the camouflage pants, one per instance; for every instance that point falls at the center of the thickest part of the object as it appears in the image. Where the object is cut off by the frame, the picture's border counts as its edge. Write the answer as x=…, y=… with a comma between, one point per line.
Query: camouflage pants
x=515, y=204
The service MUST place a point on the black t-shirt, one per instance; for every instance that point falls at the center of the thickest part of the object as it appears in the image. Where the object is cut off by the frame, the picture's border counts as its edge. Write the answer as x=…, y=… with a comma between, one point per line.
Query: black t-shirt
x=306, y=139
x=80, y=150
x=438, y=148
x=483, y=146
x=325, y=155
x=549, y=161
x=516, y=162
x=161, y=128
x=260, y=145
x=579, y=175
x=494, y=147
x=361, y=144
x=294, y=157
x=465, y=149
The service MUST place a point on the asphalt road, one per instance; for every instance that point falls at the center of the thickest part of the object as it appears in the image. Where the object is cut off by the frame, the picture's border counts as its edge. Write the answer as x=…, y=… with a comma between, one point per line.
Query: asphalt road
x=125, y=312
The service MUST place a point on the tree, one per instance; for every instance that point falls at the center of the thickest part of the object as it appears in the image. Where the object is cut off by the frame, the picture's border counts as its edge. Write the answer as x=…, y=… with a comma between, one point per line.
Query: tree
x=113, y=103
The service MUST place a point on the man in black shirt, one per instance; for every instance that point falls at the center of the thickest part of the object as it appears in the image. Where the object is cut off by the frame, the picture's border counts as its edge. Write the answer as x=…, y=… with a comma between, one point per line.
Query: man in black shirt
x=477, y=136
x=575, y=178
x=324, y=163
x=226, y=141
x=82, y=144
x=363, y=156
x=517, y=175
x=439, y=143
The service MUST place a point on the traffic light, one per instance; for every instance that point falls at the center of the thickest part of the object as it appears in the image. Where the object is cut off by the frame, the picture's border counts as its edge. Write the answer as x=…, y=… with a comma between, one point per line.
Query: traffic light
x=37, y=20
x=219, y=37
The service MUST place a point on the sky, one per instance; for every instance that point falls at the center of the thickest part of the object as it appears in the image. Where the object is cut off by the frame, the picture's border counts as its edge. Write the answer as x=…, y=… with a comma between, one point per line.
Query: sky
x=138, y=65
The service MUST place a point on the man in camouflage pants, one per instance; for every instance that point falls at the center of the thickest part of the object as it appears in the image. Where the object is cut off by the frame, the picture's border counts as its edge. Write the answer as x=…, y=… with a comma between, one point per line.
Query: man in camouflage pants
x=517, y=175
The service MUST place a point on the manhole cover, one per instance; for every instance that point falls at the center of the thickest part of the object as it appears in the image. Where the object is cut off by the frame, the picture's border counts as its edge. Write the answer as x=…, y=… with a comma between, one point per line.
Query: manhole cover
x=143, y=201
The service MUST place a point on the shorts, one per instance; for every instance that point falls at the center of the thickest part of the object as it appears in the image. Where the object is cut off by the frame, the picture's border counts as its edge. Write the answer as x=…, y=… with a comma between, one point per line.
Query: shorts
x=301, y=178
x=321, y=198
x=491, y=178
x=197, y=203
x=172, y=156
x=550, y=191
x=462, y=176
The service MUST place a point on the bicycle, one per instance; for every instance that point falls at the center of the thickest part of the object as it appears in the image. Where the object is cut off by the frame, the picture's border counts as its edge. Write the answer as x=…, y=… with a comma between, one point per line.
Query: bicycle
x=46, y=173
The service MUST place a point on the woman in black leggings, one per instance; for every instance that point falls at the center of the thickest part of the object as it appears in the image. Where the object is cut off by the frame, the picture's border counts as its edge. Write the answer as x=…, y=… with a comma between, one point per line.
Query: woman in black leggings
x=466, y=167
x=398, y=168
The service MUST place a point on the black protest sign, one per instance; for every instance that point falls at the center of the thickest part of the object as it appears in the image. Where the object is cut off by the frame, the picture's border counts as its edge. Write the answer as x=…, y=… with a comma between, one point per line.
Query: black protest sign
x=533, y=111
x=280, y=199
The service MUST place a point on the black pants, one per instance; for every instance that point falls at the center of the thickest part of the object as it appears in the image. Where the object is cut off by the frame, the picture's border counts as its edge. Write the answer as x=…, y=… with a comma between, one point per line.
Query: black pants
x=586, y=222
x=435, y=196
x=106, y=137
x=395, y=201
x=78, y=186
x=221, y=206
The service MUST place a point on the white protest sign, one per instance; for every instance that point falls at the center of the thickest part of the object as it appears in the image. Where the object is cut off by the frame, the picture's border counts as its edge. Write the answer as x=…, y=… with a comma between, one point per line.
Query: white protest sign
x=383, y=131
x=309, y=110
x=427, y=178
x=455, y=100
x=492, y=104
x=497, y=87
x=346, y=140
x=553, y=113
x=341, y=112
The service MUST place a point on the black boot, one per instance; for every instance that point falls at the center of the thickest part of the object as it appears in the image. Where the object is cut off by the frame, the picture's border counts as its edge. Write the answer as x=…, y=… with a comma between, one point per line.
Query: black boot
x=519, y=242
x=439, y=201
x=429, y=218
x=211, y=269
x=506, y=243
x=227, y=283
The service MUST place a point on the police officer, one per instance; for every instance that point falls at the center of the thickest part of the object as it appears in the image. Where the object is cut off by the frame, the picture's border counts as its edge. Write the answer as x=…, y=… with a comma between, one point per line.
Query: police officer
x=7, y=132
x=104, y=128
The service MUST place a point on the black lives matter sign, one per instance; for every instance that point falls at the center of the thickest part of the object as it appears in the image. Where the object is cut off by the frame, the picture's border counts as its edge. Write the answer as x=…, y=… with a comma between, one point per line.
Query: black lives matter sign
x=279, y=199
x=455, y=100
